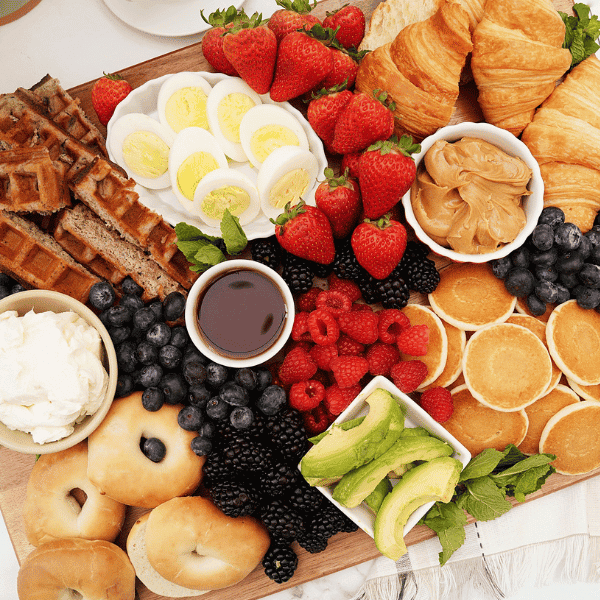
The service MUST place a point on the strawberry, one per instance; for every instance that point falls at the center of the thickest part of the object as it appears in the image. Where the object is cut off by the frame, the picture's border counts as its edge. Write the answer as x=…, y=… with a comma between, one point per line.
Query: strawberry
x=351, y=23
x=379, y=245
x=413, y=340
x=294, y=14
x=349, y=370
x=251, y=48
x=302, y=62
x=350, y=161
x=324, y=109
x=296, y=366
x=306, y=395
x=364, y=120
x=337, y=399
x=438, y=403
x=304, y=231
x=339, y=199
x=361, y=326
x=382, y=357
x=212, y=41
x=344, y=70
x=107, y=92
x=408, y=375
x=387, y=170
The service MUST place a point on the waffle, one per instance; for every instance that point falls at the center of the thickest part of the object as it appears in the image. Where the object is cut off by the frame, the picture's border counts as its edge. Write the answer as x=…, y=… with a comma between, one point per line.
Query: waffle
x=87, y=239
x=36, y=260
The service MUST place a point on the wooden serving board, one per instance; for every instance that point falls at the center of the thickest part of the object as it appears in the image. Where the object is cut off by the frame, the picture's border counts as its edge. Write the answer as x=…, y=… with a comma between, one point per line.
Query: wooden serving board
x=344, y=550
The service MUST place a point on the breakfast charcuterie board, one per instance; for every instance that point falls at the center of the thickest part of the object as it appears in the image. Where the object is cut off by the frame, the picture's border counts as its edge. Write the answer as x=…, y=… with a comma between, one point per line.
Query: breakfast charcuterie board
x=344, y=550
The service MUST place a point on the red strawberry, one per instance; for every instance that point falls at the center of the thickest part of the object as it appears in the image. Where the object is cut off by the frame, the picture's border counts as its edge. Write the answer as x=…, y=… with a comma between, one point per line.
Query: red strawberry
x=107, y=92
x=251, y=48
x=296, y=366
x=350, y=161
x=351, y=23
x=408, y=375
x=414, y=340
x=294, y=14
x=360, y=325
x=379, y=245
x=349, y=370
x=344, y=70
x=364, y=120
x=382, y=357
x=212, y=41
x=337, y=399
x=339, y=199
x=438, y=403
x=306, y=395
x=324, y=109
x=387, y=170
x=304, y=231
x=302, y=62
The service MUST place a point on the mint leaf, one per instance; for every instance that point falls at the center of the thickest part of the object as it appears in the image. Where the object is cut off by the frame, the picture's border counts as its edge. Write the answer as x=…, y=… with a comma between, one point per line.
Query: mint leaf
x=483, y=500
x=448, y=521
x=233, y=235
x=482, y=464
x=186, y=232
x=209, y=255
x=198, y=248
x=581, y=33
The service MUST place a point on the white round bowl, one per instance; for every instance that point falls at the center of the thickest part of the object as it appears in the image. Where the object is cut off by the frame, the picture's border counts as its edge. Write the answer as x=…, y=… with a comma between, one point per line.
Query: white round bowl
x=506, y=141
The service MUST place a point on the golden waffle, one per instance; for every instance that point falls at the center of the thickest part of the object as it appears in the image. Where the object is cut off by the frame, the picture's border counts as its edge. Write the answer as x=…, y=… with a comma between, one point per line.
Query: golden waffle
x=87, y=239
x=29, y=182
x=457, y=339
x=36, y=260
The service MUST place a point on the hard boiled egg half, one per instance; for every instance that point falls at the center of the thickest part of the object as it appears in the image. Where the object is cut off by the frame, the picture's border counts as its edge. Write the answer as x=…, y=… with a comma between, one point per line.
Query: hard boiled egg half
x=267, y=127
x=182, y=100
x=141, y=146
x=228, y=102
x=194, y=154
x=287, y=175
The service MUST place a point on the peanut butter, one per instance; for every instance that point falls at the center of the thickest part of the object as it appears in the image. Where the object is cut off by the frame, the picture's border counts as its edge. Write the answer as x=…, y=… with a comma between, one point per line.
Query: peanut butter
x=468, y=195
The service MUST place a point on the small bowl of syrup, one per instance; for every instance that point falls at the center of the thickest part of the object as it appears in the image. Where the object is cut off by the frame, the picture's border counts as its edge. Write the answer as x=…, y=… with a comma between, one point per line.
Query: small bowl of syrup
x=239, y=313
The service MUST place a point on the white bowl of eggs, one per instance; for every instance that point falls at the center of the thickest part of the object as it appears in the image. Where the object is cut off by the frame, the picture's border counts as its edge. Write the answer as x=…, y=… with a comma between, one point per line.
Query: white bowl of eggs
x=197, y=143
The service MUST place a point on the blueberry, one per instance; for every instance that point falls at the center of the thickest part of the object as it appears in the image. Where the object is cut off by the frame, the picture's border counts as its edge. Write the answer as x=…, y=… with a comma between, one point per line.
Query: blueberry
x=191, y=353
x=174, y=388
x=117, y=316
x=153, y=399
x=153, y=449
x=546, y=273
x=594, y=256
x=589, y=275
x=563, y=293
x=568, y=236
x=190, y=418
x=131, y=301
x=125, y=385
x=201, y=445
x=520, y=257
x=144, y=318
x=570, y=262
x=207, y=430
x=129, y=286
x=198, y=395
x=545, y=259
x=587, y=297
x=501, y=266
x=179, y=337
x=217, y=409
x=264, y=379
x=157, y=308
x=173, y=306
x=170, y=356
x=126, y=359
x=597, y=220
x=241, y=417
x=102, y=295
x=119, y=334
x=245, y=378
x=547, y=292
x=150, y=375
x=542, y=237
x=535, y=305
x=8, y=281
x=216, y=375
x=272, y=400
x=4, y=291
x=519, y=282
x=552, y=216
x=585, y=248
x=194, y=372
x=146, y=353
x=593, y=235
x=16, y=288
x=159, y=334
x=234, y=394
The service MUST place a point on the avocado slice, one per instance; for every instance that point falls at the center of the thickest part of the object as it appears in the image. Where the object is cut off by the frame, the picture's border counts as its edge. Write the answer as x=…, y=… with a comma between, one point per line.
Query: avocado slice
x=430, y=481
x=375, y=498
x=342, y=450
x=356, y=485
x=345, y=426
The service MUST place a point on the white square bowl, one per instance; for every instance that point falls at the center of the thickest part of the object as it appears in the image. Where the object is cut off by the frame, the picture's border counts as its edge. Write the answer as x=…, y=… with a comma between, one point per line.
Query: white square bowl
x=414, y=416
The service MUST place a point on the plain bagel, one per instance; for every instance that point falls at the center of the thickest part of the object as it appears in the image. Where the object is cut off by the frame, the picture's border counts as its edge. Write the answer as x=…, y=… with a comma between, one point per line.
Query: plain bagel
x=61, y=502
x=119, y=468
x=190, y=542
x=95, y=569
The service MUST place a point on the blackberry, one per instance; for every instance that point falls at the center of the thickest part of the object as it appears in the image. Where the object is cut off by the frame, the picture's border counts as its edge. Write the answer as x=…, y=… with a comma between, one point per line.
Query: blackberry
x=267, y=251
x=312, y=541
x=298, y=274
x=234, y=498
x=418, y=271
x=278, y=478
x=330, y=520
x=249, y=455
x=369, y=287
x=394, y=291
x=288, y=435
x=322, y=271
x=282, y=522
x=345, y=265
x=280, y=562
x=215, y=469
x=304, y=498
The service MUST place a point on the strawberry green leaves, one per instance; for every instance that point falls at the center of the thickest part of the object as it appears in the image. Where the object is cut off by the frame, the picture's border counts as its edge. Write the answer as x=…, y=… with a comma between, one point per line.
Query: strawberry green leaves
x=581, y=33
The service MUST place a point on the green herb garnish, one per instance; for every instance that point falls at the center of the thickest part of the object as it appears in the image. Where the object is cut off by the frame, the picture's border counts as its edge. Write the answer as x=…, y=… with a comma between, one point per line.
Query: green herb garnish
x=581, y=33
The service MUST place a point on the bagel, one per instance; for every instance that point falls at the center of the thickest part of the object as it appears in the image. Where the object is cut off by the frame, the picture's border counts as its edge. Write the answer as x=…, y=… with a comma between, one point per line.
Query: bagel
x=190, y=542
x=119, y=468
x=52, y=509
x=93, y=569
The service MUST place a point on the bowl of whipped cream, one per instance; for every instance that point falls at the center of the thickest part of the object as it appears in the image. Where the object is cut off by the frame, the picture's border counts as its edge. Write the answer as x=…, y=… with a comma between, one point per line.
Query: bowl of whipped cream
x=58, y=370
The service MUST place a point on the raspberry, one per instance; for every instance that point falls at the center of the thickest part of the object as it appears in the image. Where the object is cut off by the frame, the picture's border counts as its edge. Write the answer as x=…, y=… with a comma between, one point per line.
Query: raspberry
x=307, y=301
x=323, y=327
x=348, y=347
x=408, y=375
x=361, y=326
x=306, y=395
x=323, y=355
x=414, y=340
x=335, y=301
x=391, y=323
x=362, y=306
x=438, y=403
x=346, y=286
x=382, y=357
x=349, y=370
x=316, y=421
x=297, y=366
x=300, y=330
x=337, y=399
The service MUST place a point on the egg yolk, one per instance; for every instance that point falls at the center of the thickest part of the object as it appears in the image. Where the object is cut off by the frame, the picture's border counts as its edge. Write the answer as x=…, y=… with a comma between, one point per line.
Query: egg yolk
x=187, y=108
x=289, y=188
x=230, y=112
x=269, y=138
x=146, y=154
x=231, y=197
x=192, y=170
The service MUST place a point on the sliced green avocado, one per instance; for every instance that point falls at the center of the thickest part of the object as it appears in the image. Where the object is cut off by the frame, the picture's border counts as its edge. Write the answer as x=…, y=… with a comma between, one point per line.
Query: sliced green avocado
x=375, y=498
x=414, y=431
x=356, y=485
x=345, y=426
x=400, y=470
x=431, y=481
x=342, y=450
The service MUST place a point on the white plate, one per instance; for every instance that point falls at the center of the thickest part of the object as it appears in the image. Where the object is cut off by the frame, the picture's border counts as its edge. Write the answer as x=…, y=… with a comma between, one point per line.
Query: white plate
x=172, y=18
x=143, y=100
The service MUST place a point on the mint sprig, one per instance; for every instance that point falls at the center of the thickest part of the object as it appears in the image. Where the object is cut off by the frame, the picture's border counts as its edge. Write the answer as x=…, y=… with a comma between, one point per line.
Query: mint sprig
x=581, y=32
x=482, y=491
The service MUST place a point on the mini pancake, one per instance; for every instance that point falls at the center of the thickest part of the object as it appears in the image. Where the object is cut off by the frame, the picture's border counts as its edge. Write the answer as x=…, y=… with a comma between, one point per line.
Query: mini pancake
x=469, y=296
x=457, y=340
x=478, y=427
x=539, y=328
x=540, y=412
x=587, y=392
x=506, y=366
x=521, y=308
x=437, y=349
x=573, y=337
x=572, y=436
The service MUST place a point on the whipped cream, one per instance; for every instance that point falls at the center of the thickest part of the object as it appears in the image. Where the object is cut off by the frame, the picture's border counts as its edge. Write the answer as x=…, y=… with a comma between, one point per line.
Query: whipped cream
x=51, y=373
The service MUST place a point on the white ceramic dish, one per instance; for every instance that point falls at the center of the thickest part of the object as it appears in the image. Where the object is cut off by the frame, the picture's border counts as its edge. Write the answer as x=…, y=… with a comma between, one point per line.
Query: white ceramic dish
x=507, y=142
x=414, y=416
x=144, y=100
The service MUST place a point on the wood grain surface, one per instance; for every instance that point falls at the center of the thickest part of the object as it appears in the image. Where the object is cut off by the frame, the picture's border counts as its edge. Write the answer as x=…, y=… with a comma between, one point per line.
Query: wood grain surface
x=344, y=550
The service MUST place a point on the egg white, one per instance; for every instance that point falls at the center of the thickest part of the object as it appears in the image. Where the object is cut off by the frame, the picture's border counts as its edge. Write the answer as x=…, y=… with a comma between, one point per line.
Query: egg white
x=132, y=123
x=262, y=116
x=187, y=142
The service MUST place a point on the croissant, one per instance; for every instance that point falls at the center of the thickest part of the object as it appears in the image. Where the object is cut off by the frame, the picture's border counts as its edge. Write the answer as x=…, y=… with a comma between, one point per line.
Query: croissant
x=421, y=70
x=517, y=59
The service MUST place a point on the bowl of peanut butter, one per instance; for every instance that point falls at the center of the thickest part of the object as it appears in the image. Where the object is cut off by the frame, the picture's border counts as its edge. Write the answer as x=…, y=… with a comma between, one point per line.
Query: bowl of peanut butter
x=477, y=195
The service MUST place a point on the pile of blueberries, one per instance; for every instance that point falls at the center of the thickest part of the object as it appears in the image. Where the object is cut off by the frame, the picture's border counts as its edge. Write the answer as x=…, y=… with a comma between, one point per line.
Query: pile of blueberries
x=557, y=263
x=156, y=356
x=9, y=286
